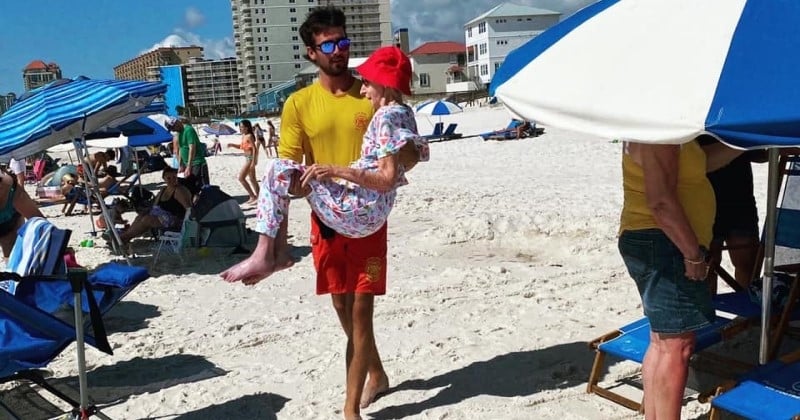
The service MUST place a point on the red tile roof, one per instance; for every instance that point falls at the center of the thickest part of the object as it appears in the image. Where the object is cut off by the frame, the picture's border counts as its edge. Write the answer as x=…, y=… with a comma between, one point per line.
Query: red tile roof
x=439, y=47
x=36, y=65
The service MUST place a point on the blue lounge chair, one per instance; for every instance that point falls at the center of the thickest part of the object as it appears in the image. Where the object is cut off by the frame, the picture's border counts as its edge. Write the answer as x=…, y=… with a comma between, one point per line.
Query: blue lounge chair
x=46, y=312
x=437, y=131
x=450, y=132
x=736, y=311
x=768, y=392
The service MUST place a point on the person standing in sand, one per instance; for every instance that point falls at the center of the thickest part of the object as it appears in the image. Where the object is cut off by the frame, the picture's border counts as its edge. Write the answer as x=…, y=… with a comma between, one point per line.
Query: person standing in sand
x=247, y=176
x=325, y=123
x=665, y=230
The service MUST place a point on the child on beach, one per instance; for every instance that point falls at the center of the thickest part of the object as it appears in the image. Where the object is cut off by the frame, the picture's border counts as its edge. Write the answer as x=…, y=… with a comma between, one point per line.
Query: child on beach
x=354, y=201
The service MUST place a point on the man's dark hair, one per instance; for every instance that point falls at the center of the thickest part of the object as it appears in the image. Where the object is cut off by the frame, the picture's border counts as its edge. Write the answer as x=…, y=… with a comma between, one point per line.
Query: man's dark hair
x=318, y=20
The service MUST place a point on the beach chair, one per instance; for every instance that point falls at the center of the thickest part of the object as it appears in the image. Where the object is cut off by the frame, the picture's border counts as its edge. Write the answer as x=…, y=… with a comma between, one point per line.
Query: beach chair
x=450, y=133
x=737, y=311
x=437, y=131
x=50, y=311
x=771, y=391
x=174, y=240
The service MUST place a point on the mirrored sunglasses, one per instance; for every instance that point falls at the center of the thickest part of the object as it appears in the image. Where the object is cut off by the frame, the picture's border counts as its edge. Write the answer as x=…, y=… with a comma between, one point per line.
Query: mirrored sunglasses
x=328, y=47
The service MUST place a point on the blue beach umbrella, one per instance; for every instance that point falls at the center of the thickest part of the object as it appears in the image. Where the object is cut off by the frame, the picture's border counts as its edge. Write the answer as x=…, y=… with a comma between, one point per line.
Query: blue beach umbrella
x=440, y=107
x=69, y=109
x=666, y=71
x=219, y=129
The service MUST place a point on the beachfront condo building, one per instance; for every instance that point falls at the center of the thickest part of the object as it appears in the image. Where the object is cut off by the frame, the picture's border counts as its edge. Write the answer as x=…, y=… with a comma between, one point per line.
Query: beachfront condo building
x=38, y=73
x=212, y=87
x=492, y=35
x=268, y=45
x=6, y=101
x=137, y=68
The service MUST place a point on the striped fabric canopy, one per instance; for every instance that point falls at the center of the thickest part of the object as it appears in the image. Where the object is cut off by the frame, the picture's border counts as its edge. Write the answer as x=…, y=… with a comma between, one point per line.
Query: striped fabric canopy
x=68, y=109
x=664, y=71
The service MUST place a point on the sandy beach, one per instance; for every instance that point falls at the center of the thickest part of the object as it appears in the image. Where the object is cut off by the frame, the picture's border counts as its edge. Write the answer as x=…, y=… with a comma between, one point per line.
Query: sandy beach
x=503, y=265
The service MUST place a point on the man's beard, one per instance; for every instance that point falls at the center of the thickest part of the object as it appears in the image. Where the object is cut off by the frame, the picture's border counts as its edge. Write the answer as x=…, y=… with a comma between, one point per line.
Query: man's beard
x=334, y=68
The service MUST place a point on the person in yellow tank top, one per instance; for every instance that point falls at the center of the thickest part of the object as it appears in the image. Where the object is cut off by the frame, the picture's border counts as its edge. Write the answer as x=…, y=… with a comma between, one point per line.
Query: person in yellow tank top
x=665, y=228
x=321, y=125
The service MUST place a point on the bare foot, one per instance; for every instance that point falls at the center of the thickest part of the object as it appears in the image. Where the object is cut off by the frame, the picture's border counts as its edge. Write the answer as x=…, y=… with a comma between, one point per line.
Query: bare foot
x=373, y=390
x=250, y=271
x=352, y=417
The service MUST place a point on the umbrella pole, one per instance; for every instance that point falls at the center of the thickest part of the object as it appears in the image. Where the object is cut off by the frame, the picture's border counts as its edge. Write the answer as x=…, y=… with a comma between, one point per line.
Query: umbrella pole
x=773, y=187
x=116, y=241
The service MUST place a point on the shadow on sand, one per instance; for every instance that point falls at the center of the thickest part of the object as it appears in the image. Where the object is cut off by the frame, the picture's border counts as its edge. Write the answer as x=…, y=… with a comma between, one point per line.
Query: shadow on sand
x=258, y=406
x=510, y=375
x=114, y=384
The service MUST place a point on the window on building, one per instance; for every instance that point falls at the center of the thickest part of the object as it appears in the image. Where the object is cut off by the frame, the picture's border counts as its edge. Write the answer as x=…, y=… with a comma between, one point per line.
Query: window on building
x=497, y=65
x=291, y=1
x=424, y=80
x=295, y=47
x=262, y=77
x=482, y=27
x=482, y=49
x=269, y=67
x=269, y=77
x=297, y=66
x=297, y=56
x=294, y=37
x=292, y=9
x=294, y=28
x=484, y=69
x=293, y=19
x=262, y=67
x=469, y=31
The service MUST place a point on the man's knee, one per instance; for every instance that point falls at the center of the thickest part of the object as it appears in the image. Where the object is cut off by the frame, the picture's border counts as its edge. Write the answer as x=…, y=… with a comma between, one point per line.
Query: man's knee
x=682, y=344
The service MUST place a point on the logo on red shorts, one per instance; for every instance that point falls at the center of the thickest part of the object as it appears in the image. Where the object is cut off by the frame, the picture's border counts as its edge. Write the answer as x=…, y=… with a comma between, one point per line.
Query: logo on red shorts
x=373, y=269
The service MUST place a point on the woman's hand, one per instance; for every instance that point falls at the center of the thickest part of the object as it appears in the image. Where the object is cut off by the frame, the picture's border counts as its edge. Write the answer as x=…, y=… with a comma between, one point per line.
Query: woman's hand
x=318, y=172
x=697, y=267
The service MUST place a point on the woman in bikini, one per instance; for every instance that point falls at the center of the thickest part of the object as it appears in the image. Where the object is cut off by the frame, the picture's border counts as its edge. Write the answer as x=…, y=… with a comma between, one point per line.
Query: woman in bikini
x=168, y=211
x=15, y=207
x=247, y=176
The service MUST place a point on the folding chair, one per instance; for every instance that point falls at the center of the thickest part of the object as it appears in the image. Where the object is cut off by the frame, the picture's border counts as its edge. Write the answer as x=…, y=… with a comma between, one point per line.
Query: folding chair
x=46, y=312
x=450, y=132
x=174, y=240
x=771, y=391
x=630, y=342
x=437, y=131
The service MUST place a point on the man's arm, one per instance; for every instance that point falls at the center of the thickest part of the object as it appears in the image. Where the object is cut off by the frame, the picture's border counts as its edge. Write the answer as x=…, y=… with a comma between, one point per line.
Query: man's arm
x=292, y=133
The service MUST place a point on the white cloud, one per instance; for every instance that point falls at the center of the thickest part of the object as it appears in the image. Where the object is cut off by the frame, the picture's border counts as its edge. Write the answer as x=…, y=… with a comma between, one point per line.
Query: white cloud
x=194, y=18
x=212, y=48
x=438, y=20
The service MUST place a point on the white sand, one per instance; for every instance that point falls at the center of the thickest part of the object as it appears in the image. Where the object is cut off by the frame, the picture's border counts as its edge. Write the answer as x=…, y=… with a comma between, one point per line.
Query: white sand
x=503, y=264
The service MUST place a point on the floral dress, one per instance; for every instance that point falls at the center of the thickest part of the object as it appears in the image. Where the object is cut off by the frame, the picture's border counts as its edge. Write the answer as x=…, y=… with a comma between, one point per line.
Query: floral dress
x=345, y=207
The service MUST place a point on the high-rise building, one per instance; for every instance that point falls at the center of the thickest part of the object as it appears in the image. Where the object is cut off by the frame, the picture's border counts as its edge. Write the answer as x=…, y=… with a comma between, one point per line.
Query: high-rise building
x=6, y=101
x=268, y=44
x=37, y=73
x=212, y=86
x=137, y=68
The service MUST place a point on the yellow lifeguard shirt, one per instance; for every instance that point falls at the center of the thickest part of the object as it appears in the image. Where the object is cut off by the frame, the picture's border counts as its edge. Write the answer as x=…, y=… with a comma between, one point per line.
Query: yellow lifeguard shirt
x=695, y=194
x=322, y=127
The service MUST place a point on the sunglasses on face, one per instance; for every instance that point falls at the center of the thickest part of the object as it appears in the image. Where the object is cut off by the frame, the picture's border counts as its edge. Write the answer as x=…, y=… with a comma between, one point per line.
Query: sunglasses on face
x=328, y=47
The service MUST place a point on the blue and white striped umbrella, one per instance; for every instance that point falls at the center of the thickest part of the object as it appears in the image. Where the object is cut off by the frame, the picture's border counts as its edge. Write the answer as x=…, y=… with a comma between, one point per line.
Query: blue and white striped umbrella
x=68, y=109
x=439, y=108
x=664, y=71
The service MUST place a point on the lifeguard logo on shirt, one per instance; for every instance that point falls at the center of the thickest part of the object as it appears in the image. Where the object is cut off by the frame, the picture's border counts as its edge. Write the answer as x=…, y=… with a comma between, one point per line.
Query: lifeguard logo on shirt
x=361, y=121
x=373, y=269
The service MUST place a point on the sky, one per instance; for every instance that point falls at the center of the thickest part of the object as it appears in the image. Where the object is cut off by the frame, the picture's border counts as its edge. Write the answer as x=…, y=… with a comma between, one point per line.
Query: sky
x=90, y=37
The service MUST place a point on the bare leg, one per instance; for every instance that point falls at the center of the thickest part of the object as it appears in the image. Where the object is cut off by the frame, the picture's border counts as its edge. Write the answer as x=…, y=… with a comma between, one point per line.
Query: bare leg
x=251, y=175
x=355, y=314
x=743, y=250
x=243, y=180
x=665, y=370
x=258, y=266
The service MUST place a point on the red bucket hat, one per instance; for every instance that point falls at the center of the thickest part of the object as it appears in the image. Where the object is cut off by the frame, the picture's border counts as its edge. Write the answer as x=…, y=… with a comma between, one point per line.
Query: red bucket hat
x=388, y=66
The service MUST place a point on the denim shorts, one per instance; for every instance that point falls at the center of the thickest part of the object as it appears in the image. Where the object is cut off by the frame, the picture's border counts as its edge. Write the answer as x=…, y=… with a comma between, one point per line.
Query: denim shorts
x=672, y=303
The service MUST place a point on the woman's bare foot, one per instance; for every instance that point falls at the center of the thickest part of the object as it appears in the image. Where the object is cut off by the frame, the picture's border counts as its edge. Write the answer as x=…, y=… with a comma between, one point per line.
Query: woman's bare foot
x=250, y=271
x=373, y=390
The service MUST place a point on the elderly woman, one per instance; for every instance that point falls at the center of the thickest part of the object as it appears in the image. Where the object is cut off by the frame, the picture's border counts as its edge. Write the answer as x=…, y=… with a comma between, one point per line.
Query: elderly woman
x=168, y=210
x=15, y=207
x=665, y=229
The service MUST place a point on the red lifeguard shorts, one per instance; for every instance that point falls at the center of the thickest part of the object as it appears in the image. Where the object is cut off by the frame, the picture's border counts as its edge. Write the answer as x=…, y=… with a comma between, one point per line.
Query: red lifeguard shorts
x=349, y=265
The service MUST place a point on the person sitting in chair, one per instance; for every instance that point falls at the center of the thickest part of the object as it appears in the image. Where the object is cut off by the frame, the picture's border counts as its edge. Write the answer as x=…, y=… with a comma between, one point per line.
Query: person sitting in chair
x=168, y=210
x=15, y=207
